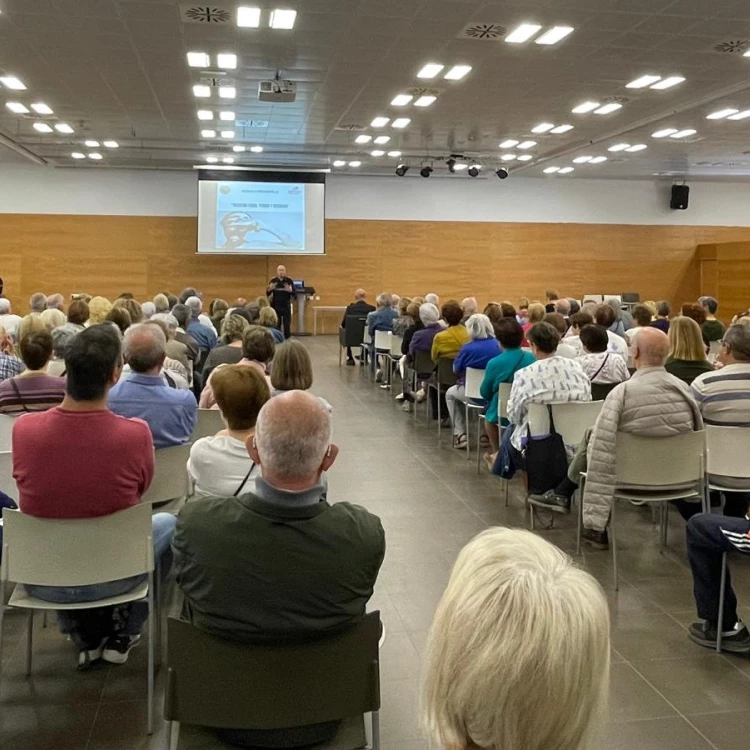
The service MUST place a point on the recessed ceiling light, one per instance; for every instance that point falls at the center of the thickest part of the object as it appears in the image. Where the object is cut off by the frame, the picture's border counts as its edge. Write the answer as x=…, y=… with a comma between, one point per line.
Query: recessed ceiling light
x=248, y=18
x=598, y=159
x=228, y=160
x=543, y=127
x=664, y=132
x=430, y=70
x=555, y=34
x=282, y=19
x=510, y=143
x=202, y=91
x=382, y=139
x=400, y=100
x=459, y=167
x=227, y=133
x=198, y=59
x=42, y=109
x=721, y=114
x=394, y=154
x=457, y=72
x=364, y=138
x=527, y=144
x=377, y=152
x=525, y=157
x=226, y=60
x=642, y=82
x=582, y=159
x=95, y=156
x=256, y=149
x=227, y=92
x=91, y=144
x=208, y=134
x=238, y=149
x=400, y=122
x=667, y=83
x=17, y=107
x=111, y=144
x=339, y=163
x=586, y=107
x=522, y=33
x=565, y=170
x=551, y=170
x=561, y=129
x=425, y=101
x=740, y=115
x=212, y=159
x=508, y=157
x=619, y=147
x=205, y=114
x=63, y=127
x=11, y=82
x=42, y=127
x=355, y=163
x=226, y=115
x=78, y=155
x=684, y=133
x=637, y=147
x=380, y=122
x=607, y=108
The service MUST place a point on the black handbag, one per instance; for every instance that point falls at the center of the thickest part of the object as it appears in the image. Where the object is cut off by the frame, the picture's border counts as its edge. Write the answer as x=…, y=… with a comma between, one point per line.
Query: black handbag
x=546, y=459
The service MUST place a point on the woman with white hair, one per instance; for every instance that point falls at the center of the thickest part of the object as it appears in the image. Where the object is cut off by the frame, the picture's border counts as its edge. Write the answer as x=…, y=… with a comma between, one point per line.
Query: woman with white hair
x=481, y=348
x=518, y=655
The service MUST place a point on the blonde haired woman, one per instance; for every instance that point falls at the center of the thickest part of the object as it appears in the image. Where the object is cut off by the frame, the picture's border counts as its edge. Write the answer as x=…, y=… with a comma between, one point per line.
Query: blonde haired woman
x=687, y=352
x=99, y=308
x=53, y=318
x=518, y=654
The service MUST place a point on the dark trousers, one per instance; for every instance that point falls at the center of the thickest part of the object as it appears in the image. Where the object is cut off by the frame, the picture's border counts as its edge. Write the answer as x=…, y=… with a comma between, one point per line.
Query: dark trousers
x=285, y=320
x=708, y=537
x=736, y=504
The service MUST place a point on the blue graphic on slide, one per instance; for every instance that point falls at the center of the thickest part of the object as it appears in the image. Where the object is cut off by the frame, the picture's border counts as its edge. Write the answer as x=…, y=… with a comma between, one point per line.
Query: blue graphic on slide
x=252, y=215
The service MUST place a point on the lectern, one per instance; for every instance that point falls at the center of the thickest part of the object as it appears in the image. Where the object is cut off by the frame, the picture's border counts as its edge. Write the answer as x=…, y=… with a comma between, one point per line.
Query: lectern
x=301, y=294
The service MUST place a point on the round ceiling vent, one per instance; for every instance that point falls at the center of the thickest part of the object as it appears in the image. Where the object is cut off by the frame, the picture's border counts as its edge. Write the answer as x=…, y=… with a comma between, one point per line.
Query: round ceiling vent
x=205, y=14
x=733, y=46
x=483, y=32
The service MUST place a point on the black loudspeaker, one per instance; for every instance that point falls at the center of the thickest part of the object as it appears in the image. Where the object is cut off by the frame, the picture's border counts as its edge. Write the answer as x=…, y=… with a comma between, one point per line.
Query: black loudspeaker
x=680, y=197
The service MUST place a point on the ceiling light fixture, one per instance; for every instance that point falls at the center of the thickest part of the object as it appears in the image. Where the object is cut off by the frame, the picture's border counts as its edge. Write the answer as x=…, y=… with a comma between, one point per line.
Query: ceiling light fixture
x=212, y=159
x=380, y=122
x=339, y=163
x=598, y=160
x=42, y=127
x=740, y=115
x=637, y=147
x=664, y=133
x=283, y=19
x=425, y=100
x=228, y=160
x=111, y=144
x=238, y=149
x=543, y=127
x=523, y=33
x=248, y=18
x=561, y=129
x=554, y=35
x=256, y=149
x=510, y=143
x=401, y=100
x=684, y=133
x=426, y=172
x=91, y=144
x=226, y=60
x=474, y=170
x=502, y=173
x=460, y=167
x=525, y=157
x=508, y=157
x=722, y=113
x=585, y=108
x=78, y=155
x=382, y=139
x=394, y=154
x=226, y=115
x=355, y=163
x=642, y=82
x=667, y=83
x=42, y=109
x=205, y=114
x=364, y=138
x=198, y=59
x=565, y=170
x=208, y=134
x=582, y=159
x=402, y=169
x=551, y=170
x=457, y=72
x=17, y=107
x=400, y=122
x=95, y=156
x=201, y=91
x=430, y=70
x=377, y=153
x=608, y=108
x=227, y=134
x=11, y=82
x=227, y=92
x=619, y=147
x=527, y=144
x=63, y=127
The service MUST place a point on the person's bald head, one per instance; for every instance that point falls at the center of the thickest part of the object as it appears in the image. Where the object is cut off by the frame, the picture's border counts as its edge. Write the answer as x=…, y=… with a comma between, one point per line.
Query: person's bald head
x=281, y=271
x=469, y=306
x=292, y=441
x=360, y=295
x=144, y=348
x=651, y=348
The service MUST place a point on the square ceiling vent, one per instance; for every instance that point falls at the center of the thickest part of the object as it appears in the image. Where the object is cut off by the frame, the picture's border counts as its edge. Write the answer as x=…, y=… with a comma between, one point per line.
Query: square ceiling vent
x=483, y=32
x=206, y=14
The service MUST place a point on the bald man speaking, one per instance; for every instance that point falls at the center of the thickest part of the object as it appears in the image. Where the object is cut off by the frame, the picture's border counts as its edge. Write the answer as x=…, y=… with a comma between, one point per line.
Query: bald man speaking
x=280, y=291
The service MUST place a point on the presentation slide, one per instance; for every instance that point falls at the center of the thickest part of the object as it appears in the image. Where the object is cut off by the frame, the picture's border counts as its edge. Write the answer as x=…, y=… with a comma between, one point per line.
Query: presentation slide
x=250, y=216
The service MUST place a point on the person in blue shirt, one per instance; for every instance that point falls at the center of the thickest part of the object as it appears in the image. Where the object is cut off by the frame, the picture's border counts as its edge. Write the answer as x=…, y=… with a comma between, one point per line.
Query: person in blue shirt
x=170, y=413
x=204, y=336
x=480, y=349
x=380, y=320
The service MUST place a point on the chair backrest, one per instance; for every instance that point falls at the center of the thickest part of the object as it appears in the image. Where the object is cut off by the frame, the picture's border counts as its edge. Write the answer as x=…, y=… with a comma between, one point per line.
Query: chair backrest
x=383, y=340
x=571, y=419
x=6, y=428
x=727, y=451
x=600, y=391
x=474, y=378
x=171, y=479
x=79, y=551
x=598, y=298
x=7, y=483
x=221, y=683
x=396, y=342
x=423, y=363
x=445, y=374
x=617, y=297
x=714, y=348
x=503, y=394
x=209, y=422
x=660, y=461
x=366, y=338
x=354, y=333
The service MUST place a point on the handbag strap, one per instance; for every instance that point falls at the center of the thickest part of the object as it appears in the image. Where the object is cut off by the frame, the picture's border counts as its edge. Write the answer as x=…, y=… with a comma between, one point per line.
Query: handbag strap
x=552, y=430
x=18, y=394
x=606, y=357
x=244, y=481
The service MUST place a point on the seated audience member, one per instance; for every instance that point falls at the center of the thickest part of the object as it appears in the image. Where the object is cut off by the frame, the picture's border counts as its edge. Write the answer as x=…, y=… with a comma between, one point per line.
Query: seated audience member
x=217, y=311
x=687, y=352
x=651, y=305
x=182, y=315
x=495, y=314
x=422, y=338
x=56, y=301
x=695, y=311
x=149, y=310
x=120, y=318
x=470, y=307
x=79, y=460
x=270, y=320
x=37, y=302
x=519, y=650
x=359, y=307
x=552, y=297
x=204, y=335
x=712, y=329
x=53, y=319
x=476, y=353
x=523, y=306
x=229, y=350
x=173, y=371
x=32, y=390
x=604, y=316
x=447, y=343
x=170, y=413
x=161, y=303
x=10, y=364
x=574, y=306
x=8, y=320
x=432, y=299
x=252, y=309
x=557, y=321
x=279, y=564
x=536, y=315
x=220, y=465
x=261, y=302
x=29, y=324
x=573, y=337
x=404, y=320
x=99, y=308
x=134, y=309
x=78, y=314
x=175, y=349
x=642, y=317
x=383, y=317
x=60, y=339
x=507, y=310
x=623, y=319
x=562, y=307
x=499, y=370
x=600, y=365
x=663, y=313
x=188, y=291
x=407, y=394
x=292, y=370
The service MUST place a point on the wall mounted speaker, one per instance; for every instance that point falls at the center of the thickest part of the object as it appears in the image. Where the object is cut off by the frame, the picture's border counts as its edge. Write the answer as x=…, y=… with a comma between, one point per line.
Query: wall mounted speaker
x=680, y=197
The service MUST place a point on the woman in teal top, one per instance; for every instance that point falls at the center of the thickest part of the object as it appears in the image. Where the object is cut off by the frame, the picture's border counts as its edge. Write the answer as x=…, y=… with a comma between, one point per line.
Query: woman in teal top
x=501, y=369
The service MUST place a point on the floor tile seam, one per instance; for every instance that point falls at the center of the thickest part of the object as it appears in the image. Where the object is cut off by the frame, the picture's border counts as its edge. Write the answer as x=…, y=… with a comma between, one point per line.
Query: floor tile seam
x=93, y=726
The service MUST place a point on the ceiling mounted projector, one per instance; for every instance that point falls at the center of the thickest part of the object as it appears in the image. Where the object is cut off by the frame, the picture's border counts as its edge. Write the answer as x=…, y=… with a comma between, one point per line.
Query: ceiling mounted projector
x=425, y=171
x=277, y=91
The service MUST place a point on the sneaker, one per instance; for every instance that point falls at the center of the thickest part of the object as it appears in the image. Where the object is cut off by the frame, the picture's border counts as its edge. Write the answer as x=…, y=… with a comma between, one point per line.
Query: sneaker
x=350, y=363
x=407, y=407
x=86, y=657
x=460, y=442
x=400, y=397
x=736, y=640
x=598, y=539
x=385, y=386
x=550, y=501
x=118, y=647
x=420, y=395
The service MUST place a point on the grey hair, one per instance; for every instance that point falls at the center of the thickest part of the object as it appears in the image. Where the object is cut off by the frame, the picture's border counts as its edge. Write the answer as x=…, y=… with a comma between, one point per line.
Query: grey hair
x=562, y=306
x=168, y=319
x=710, y=303
x=4, y=305
x=144, y=347
x=38, y=302
x=737, y=338
x=194, y=305
x=60, y=339
x=148, y=308
x=56, y=301
x=519, y=651
x=428, y=314
x=384, y=300
x=480, y=327
x=292, y=435
x=432, y=298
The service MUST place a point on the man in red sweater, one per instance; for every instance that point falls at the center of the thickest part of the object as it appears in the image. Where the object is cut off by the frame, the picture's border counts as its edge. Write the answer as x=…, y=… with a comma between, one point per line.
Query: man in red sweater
x=81, y=461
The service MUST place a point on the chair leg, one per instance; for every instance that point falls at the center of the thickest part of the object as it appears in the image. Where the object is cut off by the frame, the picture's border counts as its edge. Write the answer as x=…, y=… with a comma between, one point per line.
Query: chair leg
x=44, y=619
x=720, y=623
x=2, y=622
x=29, y=641
x=613, y=542
x=579, y=529
x=507, y=492
x=479, y=445
x=375, y=730
x=151, y=645
x=439, y=415
x=173, y=735
x=531, y=516
x=468, y=442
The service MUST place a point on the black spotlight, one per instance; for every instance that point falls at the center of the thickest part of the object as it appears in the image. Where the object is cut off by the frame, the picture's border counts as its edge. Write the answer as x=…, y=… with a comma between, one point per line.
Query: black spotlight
x=402, y=169
x=502, y=173
x=451, y=164
x=425, y=171
x=473, y=171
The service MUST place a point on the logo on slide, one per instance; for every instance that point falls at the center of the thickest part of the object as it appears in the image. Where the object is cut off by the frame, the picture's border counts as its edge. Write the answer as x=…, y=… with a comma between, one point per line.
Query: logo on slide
x=224, y=189
x=296, y=190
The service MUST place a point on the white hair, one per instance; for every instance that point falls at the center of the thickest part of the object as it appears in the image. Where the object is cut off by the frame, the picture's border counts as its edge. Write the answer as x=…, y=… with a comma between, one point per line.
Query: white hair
x=148, y=308
x=518, y=654
x=292, y=435
x=144, y=347
x=195, y=306
x=428, y=314
x=432, y=298
x=168, y=319
x=4, y=305
x=480, y=327
x=469, y=305
x=384, y=300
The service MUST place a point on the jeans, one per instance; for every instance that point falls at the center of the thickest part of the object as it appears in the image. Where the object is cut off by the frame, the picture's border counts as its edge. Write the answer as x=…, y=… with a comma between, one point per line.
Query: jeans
x=89, y=626
x=455, y=399
x=708, y=537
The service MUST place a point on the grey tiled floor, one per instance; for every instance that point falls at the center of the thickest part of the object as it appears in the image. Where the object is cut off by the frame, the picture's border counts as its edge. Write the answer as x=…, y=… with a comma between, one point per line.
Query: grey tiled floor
x=666, y=693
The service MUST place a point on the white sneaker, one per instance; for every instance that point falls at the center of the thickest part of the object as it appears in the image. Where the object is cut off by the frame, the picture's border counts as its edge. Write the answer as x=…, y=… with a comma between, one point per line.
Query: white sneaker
x=87, y=657
x=118, y=647
x=400, y=397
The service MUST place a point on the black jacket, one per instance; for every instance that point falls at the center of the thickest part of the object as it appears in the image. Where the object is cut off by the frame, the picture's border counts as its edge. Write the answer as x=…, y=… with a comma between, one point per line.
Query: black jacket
x=357, y=308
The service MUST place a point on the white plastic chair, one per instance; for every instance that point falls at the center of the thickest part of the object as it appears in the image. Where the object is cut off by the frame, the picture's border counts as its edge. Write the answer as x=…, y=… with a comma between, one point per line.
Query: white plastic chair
x=171, y=479
x=208, y=424
x=7, y=483
x=6, y=428
x=79, y=552
x=503, y=394
x=395, y=356
x=713, y=349
x=472, y=384
x=598, y=298
x=572, y=419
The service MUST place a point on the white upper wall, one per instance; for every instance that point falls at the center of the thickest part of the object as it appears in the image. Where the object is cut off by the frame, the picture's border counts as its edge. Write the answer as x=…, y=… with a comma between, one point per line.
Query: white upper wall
x=32, y=189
